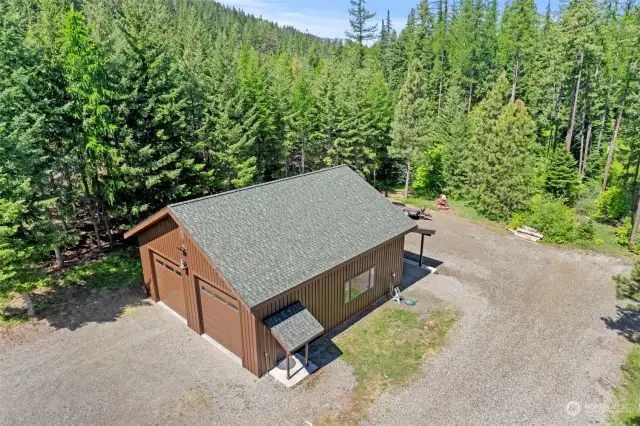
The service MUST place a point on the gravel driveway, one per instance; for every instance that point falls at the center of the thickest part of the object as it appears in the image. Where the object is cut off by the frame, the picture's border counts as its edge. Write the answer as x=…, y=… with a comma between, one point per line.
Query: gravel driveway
x=531, y=339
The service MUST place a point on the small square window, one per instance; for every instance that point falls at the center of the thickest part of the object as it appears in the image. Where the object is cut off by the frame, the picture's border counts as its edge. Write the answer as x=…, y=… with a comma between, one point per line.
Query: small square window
x=358, y=285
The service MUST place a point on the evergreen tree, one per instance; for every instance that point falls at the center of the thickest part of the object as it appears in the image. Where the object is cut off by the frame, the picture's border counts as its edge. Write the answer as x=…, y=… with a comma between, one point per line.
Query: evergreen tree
x=361, y=32
x=516, y=40
x=451, y=132
x=503, y=146
x=411, y=121
x=156, y=152
x=86, y=73
x=300, y=150
x=255, y=94
x=324, y=92
x=230, y=126
x=379, y=113
x=18, y=255
x=352, y=142
x=464, y=48
x=439, y=48
x=394, y=62
x=561, y=177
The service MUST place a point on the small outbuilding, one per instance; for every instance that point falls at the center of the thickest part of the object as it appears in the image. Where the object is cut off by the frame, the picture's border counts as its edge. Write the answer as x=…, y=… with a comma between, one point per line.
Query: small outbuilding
x=264, y=270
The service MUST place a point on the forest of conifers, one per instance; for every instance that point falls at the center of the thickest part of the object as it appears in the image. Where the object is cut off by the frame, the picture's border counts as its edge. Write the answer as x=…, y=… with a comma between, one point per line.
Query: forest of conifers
x=112, y=109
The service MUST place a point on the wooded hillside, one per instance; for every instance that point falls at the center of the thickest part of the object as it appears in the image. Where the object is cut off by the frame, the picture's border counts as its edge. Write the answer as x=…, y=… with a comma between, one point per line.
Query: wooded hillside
x=112, y=109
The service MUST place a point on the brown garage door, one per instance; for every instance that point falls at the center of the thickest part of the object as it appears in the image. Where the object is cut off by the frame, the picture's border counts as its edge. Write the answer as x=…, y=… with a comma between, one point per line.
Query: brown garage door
x=170, y=289
x=220, y=317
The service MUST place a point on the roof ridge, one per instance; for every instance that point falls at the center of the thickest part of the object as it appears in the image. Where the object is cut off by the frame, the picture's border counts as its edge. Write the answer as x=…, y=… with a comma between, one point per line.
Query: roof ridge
x=219, y=194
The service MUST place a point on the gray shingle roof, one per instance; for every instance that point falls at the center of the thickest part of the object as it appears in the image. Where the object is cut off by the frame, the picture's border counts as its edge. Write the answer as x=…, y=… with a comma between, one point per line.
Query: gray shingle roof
x=294, y=326
x=268, y=238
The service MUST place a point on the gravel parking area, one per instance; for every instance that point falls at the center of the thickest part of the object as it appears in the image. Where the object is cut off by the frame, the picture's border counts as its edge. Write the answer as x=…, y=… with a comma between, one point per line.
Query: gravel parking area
x=531, y=339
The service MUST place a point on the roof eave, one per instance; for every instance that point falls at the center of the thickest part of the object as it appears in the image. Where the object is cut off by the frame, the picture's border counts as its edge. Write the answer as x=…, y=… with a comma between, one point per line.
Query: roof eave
x=148, y=222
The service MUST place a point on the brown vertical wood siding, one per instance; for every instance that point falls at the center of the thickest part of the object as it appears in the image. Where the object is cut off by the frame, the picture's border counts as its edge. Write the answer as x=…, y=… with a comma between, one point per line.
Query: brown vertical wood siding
x=164, y=237
x=323, y=296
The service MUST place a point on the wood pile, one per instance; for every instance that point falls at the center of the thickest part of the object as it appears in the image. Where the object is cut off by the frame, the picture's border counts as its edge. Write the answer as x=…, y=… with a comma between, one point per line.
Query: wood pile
x=527, y=233
x=400, y=193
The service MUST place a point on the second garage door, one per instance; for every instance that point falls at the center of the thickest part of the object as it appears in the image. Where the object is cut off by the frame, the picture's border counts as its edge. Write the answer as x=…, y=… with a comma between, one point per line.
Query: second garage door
x=220, y=317
x=170, y=288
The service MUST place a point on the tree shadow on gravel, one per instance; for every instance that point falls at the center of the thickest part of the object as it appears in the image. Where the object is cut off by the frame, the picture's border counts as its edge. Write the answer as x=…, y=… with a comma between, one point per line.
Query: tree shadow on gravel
x=74, y=307
x=626, y=323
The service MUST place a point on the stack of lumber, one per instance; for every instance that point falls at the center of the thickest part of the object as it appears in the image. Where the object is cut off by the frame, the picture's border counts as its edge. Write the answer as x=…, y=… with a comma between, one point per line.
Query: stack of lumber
x=400, y=193
x=527, y=233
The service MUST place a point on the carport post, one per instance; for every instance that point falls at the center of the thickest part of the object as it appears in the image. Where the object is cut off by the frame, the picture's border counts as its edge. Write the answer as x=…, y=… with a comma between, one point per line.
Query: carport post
x=421, y=248
x=288, y=374
x=306, y=354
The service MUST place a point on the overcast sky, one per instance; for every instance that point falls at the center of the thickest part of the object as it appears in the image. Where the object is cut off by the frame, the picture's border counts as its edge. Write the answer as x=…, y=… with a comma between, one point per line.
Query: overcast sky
x=329, y=18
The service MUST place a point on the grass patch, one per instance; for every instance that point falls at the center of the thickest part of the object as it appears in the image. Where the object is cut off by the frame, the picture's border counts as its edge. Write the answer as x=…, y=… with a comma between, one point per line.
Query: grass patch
x=628, y=394
x=10, y=321
x=606, y=242
x=386, y=349
x=115, y=271
x=9, y=316
x=463, y=209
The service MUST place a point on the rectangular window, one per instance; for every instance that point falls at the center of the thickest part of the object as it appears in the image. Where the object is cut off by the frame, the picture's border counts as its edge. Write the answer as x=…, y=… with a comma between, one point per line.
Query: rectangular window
x=169, y=267
x=232, y=306
x=206, y=290
x=159, y=262
x=358, y=285
x=220, y=299
x=178, y=273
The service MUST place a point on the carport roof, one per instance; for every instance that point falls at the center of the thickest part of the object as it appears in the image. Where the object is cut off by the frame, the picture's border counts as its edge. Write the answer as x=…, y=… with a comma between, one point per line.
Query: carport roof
x=268, y=238
x=294, y=326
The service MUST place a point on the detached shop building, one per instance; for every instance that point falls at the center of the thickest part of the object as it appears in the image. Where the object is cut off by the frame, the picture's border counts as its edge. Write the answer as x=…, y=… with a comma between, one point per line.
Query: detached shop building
x=264, y=270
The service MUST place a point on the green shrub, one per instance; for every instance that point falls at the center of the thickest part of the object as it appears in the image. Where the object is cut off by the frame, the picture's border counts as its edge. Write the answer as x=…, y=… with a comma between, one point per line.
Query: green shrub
x=613, y=204
x=623, y=232
x=586, y=202
x=517, y=220
x=629, y=287
x=628, y=393
x=428, y=178
x=552, y=218
x=561, y=176
x=623, y=235
x=586, y=230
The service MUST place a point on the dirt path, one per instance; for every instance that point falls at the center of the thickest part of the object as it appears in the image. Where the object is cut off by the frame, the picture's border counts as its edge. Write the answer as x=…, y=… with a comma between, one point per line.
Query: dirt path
x=532, y=339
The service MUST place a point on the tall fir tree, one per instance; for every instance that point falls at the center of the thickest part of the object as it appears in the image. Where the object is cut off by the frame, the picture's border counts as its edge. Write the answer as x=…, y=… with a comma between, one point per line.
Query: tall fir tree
x=361, y=31
x=516, y=41
x=503, y=145
x=411, y=120
x=561, y=176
